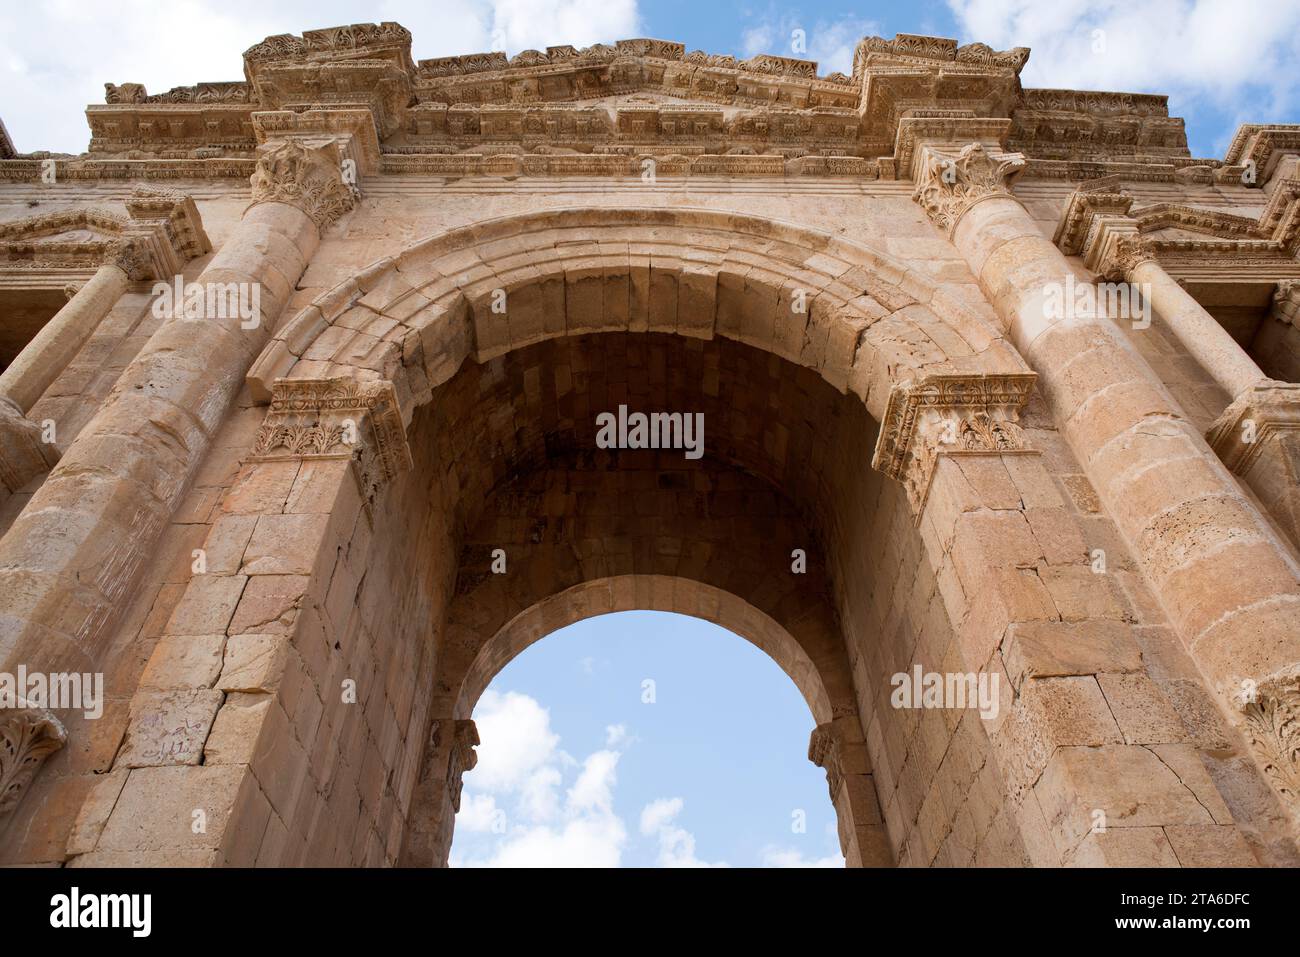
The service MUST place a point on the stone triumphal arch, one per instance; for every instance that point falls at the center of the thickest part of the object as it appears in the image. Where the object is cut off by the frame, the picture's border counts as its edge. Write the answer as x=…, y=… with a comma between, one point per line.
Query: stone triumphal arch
x=299, y=403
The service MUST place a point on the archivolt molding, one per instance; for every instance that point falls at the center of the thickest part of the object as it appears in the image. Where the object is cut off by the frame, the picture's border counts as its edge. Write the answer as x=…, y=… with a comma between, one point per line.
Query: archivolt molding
x=860, y=320
x=337, y=418
x=949, y=415
x=605, y=595
x=27, y=737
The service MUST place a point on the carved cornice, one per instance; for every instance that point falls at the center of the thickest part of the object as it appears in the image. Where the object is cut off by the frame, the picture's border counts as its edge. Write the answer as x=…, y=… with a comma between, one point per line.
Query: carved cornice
x=1257, y=145
x=1272, y=725
x=950, y=185
x=7, y=150
x=306, y=176
x=23, y=454
x=337, y=419
x=1252, y=422
x=161, y=233
x=949, y=415
x=27, y=737
x=643, y=96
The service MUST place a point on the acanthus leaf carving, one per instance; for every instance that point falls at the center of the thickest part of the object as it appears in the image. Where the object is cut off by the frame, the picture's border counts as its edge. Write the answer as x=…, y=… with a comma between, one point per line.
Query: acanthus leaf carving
x=337, y=418
x=949, y=415
x=308, y=177
x=1272, y=725
x=27, y=737
x=948, y=186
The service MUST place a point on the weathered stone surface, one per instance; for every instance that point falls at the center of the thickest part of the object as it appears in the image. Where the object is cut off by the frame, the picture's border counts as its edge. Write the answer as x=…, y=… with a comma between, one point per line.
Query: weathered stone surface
x=301, y=543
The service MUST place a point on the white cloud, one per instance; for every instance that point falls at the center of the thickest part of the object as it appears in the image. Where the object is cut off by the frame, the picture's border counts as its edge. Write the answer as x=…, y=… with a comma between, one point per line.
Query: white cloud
x=676, y=844
x=514, y=793
x=56, y=56
x=790, y=857
x=522, y=743
x=829, y=42
x=616, y=736
x=1195, y=50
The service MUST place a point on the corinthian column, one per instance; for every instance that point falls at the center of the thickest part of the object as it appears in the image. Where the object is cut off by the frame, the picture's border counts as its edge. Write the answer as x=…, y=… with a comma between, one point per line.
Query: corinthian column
x=24, y=452
x=1135, y=261
x=70, y=560
x=1229, y=584
x=60, y=339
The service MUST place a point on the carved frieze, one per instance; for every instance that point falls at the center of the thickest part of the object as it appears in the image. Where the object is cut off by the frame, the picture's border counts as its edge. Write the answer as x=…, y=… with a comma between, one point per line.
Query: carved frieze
x=949, y=415
x=337, y=419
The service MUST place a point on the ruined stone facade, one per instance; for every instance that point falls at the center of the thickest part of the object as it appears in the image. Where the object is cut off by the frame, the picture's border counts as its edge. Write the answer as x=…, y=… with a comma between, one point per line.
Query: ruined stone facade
x=1011, y=370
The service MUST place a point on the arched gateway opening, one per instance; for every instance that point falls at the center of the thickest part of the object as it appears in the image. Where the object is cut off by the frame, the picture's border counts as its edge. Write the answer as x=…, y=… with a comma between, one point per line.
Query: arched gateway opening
x=428, y=493
x=486, y=493
x=644, y=738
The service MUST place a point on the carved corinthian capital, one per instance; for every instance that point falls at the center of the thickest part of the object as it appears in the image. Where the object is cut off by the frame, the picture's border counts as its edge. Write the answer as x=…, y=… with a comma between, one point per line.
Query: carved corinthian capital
x=824, y=751
x=1272, y=724
x=949, y=415
x=463, y=757
x=949, y=185
x=306, y=176
x=27, y=737
x=337, y=419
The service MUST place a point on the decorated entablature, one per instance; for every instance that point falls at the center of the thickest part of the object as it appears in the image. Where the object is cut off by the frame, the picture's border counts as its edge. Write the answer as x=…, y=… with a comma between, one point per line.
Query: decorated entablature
x=604, y=109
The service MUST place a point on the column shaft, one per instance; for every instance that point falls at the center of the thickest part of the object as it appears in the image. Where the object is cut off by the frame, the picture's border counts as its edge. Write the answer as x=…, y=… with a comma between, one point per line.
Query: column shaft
x=59, y=340
x=71, y=557
x=1198, y=331
x=1226, y=579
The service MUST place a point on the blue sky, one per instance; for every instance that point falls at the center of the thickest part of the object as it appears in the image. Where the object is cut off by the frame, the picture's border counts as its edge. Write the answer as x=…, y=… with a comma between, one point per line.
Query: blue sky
x=1223, y=63
x=575, y=767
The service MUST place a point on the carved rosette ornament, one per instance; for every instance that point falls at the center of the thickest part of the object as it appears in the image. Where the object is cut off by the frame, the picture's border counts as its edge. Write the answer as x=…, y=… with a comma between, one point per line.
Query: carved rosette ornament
x=336, y=419
x=306, y=176
x=27, y=737
x=948, y=186
x=949, y=415
x=1272, y=725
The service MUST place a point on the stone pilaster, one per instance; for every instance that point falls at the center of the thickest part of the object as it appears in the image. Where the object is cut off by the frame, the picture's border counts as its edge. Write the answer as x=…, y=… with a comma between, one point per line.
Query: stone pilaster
x=89, y=530
x=837, y=747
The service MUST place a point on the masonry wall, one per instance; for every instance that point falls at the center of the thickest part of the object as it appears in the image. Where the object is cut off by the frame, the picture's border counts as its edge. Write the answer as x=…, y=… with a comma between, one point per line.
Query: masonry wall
x=304, y=587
